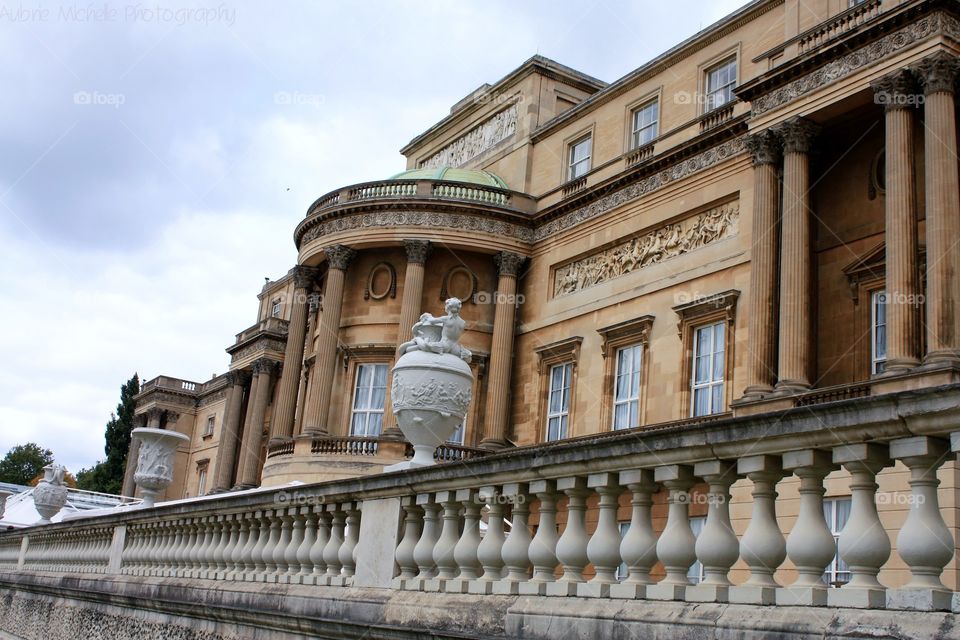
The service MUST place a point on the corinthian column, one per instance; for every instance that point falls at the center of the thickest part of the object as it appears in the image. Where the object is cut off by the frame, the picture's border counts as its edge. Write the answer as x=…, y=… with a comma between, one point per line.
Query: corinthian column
x=230, y=431
x=897, y=93
x=762, y=353
x=263, y=370
x=796, y=347
x=497, y=408
x=938, y=75
x=285, y=413
x=338, y=259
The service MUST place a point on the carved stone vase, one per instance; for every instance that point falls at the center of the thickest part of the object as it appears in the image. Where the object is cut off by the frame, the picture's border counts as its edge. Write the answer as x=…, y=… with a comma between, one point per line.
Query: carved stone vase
x=50, y=494
x=155, y=464
x=430, y=393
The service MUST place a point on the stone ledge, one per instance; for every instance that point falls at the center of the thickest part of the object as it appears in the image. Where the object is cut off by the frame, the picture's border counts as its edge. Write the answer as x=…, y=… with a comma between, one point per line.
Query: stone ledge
x=37, y=606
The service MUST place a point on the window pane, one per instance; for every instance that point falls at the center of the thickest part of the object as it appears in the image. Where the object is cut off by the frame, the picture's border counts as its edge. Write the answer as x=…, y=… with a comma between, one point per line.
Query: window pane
x=375, y=424
x=621, y=416
x=563, y=426
x=701, y=400
x=717, y=398
x=634, y=414
x=702, y=369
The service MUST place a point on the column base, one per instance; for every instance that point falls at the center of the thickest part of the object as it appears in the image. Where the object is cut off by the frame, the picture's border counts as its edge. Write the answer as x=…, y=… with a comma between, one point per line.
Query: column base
x=243, y=487
x=278, y=440
x=791, y=387
x=857, y=598
x=749, y=594
x=802, y=596
x=494, y=444
x=392, y=433
x=753, y=393
x=628, y=591
x=897, y=366
x=940, y=358
x=919, y=599
x=662, y=591
x=708, y=593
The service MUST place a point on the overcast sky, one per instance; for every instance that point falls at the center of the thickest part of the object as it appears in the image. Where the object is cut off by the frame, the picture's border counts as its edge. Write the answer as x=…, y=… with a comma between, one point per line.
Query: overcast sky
x=156, y=158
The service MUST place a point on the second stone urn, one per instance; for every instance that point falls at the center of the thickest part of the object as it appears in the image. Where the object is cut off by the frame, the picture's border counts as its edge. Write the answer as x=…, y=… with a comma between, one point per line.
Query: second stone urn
x=432, y=384
x=50, y=494
x=155, y=464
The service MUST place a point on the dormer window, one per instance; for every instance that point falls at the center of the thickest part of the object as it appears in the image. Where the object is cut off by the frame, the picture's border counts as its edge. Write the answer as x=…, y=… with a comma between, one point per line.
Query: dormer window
x=579, y=157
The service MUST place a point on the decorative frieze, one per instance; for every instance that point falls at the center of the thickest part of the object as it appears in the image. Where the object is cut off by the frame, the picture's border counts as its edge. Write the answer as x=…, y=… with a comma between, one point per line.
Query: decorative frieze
x=857, y=59
x=427, y=219
x=484, y=136
x=650, y=248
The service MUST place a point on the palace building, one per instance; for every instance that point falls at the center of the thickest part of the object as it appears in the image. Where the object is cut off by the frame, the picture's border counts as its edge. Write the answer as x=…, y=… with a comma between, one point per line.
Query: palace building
x=736, y=269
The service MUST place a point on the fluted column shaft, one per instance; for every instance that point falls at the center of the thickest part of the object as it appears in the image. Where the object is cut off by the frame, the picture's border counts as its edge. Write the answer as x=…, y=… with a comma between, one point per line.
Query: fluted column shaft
x=762, y=354
x=309, y=416
x=903, y=345
x=795, y=344
x=284, y=415
x=339, y=258
x=497, y=410
x=229, y=433
x=938, y=75
x=253, y=430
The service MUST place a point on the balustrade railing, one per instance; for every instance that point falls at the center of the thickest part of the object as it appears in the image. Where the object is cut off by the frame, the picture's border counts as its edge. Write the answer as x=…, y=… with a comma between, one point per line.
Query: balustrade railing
x=842, y=23
x=450, y=190
x=345, y=445
x=431, y=518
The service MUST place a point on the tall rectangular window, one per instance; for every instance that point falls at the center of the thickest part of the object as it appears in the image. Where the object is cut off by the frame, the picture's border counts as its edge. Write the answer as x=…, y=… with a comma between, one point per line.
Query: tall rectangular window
x=578, y=163
x=558, y=402
x=275, y=309
x=836, y=511
x=369, y=395
x=721, y=81
x=201, y=480
x=878, y=332
x=695, y=572
x=626, y=388
x=211, y=422
x=709, y=362
x=646, y=120
x=457, y=437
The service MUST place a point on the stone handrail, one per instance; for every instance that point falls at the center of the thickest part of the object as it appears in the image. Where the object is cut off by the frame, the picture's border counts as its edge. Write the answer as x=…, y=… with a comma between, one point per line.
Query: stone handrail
x=316, y=534
x=717, y=116
x=345, y=445
x=639, y=154
x=449, y=452
x=838, y=25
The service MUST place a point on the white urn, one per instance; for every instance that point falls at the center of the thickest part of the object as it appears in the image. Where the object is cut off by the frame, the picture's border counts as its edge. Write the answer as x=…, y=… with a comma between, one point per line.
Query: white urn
x=50, y=494
x=432, y=384
x=155, y=463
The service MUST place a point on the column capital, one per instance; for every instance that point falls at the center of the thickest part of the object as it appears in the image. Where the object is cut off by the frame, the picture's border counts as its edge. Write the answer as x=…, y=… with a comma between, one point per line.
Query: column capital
x=264, y=365
x=764, y=147
x=798, y=134
x=508, y=263
x=897, y=90
x=339, y=256
x=237, y=377
x=937, y=73
x=304, y=277
x=417, y=250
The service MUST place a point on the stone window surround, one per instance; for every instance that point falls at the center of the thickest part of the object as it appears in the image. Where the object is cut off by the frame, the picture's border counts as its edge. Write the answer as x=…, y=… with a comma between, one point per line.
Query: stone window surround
x=615, y=337
x=720, y=307
x=566, y=351
x=203, y=474
x=353, y=356
x=706, y=66
x=209, y=427
x=655, y=95
x=580, y=134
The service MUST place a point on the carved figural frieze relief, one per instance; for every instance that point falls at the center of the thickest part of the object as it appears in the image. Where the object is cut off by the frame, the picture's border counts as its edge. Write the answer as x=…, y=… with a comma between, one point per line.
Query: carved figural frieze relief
x=474, y=142
x=381, y=282
x=650, y=248
x=847, y=64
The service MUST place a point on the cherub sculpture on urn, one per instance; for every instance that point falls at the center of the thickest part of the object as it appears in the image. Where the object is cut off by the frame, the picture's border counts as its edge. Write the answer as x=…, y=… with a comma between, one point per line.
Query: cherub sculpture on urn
x=432, y=384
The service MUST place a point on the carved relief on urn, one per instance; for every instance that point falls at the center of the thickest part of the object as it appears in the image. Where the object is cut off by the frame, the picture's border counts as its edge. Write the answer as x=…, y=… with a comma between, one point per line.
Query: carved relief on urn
x=155, y=464
x=50, y=494
x=432, y=384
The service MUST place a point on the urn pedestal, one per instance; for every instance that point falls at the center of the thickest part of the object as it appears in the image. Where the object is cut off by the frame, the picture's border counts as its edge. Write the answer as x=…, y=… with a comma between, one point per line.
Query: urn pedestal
x=155, y=463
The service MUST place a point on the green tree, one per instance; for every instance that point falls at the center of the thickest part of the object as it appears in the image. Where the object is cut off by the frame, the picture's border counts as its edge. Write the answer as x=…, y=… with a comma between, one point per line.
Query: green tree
x=107, y=475
x=24, y=462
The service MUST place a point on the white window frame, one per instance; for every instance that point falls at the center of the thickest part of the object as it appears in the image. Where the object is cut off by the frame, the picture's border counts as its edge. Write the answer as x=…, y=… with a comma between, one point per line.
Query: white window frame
x=579, y=168
x=458, y=436
x=712, y=94
x=836, y=566
x=562, y=414
x=717, y=329
x=369, y=410
x=211, y=425
x=878, y=362
x=635, y=374
x=695, y=572
x=275, y=308
x=635, y=131
x=201, y=480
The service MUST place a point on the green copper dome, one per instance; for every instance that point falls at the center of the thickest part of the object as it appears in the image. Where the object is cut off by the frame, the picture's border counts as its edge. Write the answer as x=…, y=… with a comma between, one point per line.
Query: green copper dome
x=473, y=176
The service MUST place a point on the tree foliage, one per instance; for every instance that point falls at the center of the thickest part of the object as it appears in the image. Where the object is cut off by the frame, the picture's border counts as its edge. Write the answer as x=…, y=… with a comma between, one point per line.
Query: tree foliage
x=107, y=475
x=24, y=462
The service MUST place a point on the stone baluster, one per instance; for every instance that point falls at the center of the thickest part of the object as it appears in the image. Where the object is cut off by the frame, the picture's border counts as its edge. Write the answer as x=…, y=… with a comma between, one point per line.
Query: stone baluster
x=924, y=541
x=324, y=521
x=516, y=550
x=176, y=553
x=165, y=548
x=465, y=553
x=130, y=554
x=490, y=551
x=236, y=562
x=717, y=546
x=810, y=545
x=443, y=550
x=351, y=536
x=218, y=544
x=189, y=560
x=572, y=545
x=286, y=534
x=423, y=551
x=604, y=546
x=146, y=543
x=639, y=546
x=205, y=555
x=543, y=548
x=262, y=524
x=762, y=547
x=275, y=517
x=196, y=552
x=229, y=561
x=331, y=552
x=309, y=537
x=863, y=543
x=676, y=546
x=249, y=558
x=412, y=526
